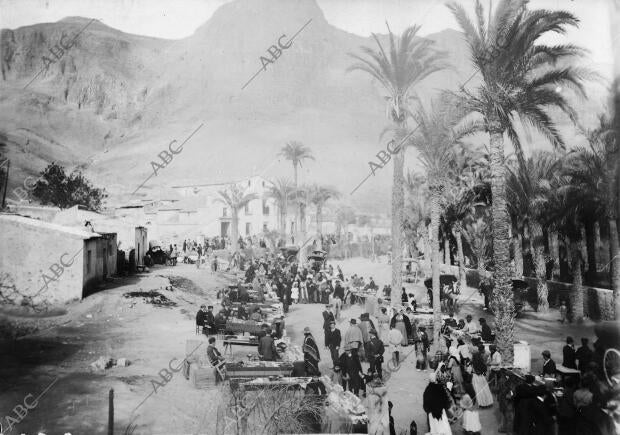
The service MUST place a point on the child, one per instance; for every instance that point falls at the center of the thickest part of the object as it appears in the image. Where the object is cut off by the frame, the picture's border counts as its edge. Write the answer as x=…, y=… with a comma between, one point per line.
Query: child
x=563, y=311
x=471, y=418
x=295, y=292
x=421, y=349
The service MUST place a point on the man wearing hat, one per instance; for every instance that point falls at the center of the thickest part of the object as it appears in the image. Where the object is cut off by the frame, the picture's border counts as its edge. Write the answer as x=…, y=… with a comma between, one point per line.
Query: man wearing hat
x=210, y=321
x=311, y=354
x=375, y=350
x=200, y=319
x=328, y=317
x=353, y=337
x=333, y=339
x=351, y=370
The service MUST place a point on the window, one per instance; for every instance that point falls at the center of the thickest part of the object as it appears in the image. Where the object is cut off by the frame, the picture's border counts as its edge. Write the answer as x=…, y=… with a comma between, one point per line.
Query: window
x=249, y=183
x=265, y=227
x=248, y=228
x=265, y=208
x=224, y=212
x=247, y=209
x=88, y=258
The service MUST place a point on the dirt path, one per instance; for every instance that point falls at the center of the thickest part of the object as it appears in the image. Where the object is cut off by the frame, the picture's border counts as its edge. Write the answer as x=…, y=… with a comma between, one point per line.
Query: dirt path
x=108, y=324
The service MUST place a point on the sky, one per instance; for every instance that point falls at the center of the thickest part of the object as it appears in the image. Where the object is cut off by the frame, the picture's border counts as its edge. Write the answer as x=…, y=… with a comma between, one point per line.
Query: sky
x=176, y=19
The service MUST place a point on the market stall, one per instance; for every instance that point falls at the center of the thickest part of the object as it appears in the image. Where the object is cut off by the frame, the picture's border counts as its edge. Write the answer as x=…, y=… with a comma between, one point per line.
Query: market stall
x=344, y=411
x=258, y=369
x=238, y=326
x=230, y=341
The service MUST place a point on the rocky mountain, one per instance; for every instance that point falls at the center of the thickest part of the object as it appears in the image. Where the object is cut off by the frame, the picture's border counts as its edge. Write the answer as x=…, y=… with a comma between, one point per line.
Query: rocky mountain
x=112, y=102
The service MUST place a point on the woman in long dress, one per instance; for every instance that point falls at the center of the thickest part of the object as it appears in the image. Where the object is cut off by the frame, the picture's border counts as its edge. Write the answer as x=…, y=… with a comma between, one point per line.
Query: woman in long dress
x=399, y=322
x=384, y=325
x=484, y=397
x=454, y=364
x=435, y=403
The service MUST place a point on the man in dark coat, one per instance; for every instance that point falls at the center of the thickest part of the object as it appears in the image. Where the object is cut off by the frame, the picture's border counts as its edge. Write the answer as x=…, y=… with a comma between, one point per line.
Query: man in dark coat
x=267, y=348
x=328, y=317
x=200, y=318
x=435, y=400
x=568, y=353
x=242, y=312
x=374, y=354
x=584, y=355
x=333, y=339
x=525, y=394
x=548, y=364
x=209, y=321
x=351, y=370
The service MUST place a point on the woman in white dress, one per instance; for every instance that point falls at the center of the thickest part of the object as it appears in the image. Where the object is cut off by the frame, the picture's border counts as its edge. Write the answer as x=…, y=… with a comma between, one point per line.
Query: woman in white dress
x=384, y=325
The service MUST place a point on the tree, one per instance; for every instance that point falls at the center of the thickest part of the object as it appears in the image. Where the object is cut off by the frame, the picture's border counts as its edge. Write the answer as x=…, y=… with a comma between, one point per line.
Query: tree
x=55, y=187
x=566, y=208
x=437, y=134
x=319, y=195
x=462, y=193
x=417, y=214
x=529, y=187
x=520, y=78
x=344, y=217
x=408, y=61
x=595, y=171
x=281, y=190
x=235, y=198
x=296, y=152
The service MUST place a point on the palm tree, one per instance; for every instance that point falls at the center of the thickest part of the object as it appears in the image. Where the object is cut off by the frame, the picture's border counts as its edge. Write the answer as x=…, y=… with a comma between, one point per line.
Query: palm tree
x=281, y=190
x=235, y=198
x=529, y=188
x=594, y=170
x=568, y=202
x=417, y=213
x=344, y=216
x=319, y=195
x=406, y=62
x=477, y=234
x=462, y=195
x=437, y=134
x=520, y=78
x=296, y=152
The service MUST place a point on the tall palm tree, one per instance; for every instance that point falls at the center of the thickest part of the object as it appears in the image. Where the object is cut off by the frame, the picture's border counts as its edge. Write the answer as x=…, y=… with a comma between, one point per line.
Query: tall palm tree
x=529, y=187
x=520, y=76
x=235, y=198
x=281, y=190
x=438, y=132
x=319, y=195
x=417, y=213
x=398, y=69
x=595, y=170
x=296, y=152
x=477, y=234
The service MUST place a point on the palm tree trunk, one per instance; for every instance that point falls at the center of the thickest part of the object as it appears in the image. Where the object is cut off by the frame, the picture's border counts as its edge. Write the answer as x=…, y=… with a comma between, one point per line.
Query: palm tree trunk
x=319, y=219
x=554, y=248
x=517, y=247
x=538, y=249
x=461, y=256
x=398, y=203
x=577, y=293
x=503, y=300
x=598, y=242
x=591, y=248
x=446, y=251
x=582, y=243
x=614, y=248
x=434, y=236
x=234, y=231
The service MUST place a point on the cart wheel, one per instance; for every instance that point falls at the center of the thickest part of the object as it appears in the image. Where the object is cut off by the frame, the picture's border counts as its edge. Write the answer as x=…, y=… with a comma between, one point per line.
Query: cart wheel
x=611, y=366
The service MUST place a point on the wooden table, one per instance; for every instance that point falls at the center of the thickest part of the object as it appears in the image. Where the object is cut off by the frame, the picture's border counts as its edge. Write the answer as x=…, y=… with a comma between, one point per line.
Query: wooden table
x=260, y=369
